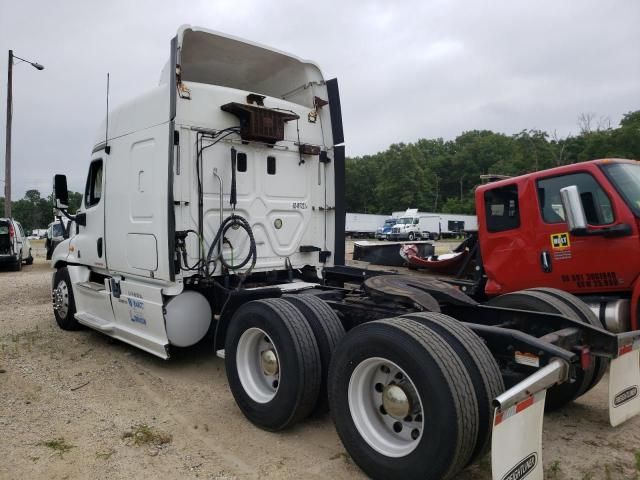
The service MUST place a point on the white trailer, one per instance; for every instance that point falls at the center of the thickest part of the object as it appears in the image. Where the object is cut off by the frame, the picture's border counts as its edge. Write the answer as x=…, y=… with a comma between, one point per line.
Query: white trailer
x=214, y=204
x=360, y=225
x=449, y=224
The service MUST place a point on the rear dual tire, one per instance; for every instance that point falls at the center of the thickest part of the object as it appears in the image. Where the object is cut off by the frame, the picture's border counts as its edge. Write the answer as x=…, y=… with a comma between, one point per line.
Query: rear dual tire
x=385, y=369
x=327, y=330
x=556, y=301
x=272, y=362
x=481, y=366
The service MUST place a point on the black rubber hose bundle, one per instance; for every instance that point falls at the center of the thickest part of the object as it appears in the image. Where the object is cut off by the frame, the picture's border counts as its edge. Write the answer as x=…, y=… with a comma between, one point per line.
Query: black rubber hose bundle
x=230, y=222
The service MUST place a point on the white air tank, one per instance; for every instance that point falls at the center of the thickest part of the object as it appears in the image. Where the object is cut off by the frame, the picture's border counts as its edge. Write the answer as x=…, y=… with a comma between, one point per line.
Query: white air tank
x=187, y=318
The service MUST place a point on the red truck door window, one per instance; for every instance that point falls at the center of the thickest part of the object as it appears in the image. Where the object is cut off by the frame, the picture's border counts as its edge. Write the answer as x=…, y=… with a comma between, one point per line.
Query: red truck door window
x=596, y=203
x=581, y=264
x=501, y=205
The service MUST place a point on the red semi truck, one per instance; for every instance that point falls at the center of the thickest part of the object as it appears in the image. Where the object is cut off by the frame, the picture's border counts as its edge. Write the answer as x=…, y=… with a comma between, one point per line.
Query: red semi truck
x=526, y=238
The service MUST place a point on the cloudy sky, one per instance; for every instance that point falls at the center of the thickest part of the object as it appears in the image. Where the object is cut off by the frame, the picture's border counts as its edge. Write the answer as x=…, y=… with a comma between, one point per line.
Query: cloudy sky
x=407, y=69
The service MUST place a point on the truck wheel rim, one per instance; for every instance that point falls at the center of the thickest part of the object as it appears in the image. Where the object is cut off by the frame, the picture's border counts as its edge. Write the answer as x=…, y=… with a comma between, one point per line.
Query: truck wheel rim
x=385, y=407
x=258, y=365
x=61, y=299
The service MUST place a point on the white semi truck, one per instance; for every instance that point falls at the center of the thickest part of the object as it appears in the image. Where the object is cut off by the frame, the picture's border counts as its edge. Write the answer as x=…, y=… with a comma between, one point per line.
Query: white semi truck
x=413, y=226
x=432, y=225
x=213, y=212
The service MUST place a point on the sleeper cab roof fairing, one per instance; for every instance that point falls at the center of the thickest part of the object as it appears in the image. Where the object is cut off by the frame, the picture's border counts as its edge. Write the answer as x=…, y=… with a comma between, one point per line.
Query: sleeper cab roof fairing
x=210, y=57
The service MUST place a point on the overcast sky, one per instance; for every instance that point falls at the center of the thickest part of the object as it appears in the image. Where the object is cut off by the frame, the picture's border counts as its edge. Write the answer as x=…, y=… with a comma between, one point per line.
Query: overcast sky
x=407, y=69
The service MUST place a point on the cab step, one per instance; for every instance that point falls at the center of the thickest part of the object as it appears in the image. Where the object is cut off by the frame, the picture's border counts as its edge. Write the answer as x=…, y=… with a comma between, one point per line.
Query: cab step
x=93, y=286
x=95, y=322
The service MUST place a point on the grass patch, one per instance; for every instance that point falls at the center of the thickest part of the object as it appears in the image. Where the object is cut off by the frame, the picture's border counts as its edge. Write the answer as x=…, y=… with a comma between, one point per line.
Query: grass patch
x=59, y=445
x=145, y=435
x=637, y=455
x=105, y=455
x=344, y=456
x=553, y=471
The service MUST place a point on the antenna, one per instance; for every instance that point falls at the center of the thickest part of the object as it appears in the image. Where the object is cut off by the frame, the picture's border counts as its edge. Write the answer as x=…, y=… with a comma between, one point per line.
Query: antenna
x=107, y=148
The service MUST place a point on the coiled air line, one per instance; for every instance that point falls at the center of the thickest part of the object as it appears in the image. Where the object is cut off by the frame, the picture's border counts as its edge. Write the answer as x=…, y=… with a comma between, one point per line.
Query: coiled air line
x=233, y=221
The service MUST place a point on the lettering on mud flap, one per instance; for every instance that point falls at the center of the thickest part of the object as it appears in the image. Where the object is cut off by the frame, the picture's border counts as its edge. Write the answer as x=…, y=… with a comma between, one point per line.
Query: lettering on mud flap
x=136, y=311
x=523, y=468
x=625, y=396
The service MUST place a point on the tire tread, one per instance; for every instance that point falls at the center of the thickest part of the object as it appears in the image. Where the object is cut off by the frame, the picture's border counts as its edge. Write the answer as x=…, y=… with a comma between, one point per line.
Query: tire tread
x=460, y=385
x=492, y=384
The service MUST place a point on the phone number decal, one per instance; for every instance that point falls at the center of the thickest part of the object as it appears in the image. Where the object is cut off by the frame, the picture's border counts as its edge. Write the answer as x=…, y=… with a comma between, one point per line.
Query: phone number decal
x=592, y=280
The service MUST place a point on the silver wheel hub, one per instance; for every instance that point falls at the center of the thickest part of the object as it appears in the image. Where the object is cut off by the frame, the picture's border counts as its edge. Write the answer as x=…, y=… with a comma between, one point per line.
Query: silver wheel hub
x=395, y=401
x=258, y=365
x=60, y=298
x=385, y=407
x=269, y=361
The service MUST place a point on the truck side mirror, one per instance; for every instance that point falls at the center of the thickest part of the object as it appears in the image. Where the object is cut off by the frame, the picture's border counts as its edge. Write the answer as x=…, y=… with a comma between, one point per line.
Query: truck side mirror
x=573, y=210
x=60, y=192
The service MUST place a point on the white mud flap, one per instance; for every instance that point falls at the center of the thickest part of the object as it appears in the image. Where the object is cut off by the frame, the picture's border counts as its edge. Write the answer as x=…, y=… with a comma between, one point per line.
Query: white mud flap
x=624, y=385
x=516, y=445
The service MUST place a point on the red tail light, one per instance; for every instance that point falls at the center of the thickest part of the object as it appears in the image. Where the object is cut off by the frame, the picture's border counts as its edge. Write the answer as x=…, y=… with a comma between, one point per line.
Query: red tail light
x=12, y=232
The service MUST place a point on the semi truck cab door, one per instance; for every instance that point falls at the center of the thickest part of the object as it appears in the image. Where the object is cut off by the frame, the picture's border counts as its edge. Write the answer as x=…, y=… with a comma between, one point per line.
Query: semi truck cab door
x=89, y=242
x=582, y=263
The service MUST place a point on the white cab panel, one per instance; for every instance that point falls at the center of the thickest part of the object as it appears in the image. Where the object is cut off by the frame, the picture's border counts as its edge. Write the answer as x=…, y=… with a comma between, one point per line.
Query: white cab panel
x=137, y=231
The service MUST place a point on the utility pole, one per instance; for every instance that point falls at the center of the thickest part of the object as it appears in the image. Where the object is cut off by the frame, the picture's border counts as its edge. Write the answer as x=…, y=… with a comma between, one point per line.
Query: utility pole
x=7, y=155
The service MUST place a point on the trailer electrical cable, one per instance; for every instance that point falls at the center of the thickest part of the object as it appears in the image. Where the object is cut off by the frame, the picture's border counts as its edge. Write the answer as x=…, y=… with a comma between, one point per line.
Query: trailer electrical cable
x=216, y=137
x=231, y=222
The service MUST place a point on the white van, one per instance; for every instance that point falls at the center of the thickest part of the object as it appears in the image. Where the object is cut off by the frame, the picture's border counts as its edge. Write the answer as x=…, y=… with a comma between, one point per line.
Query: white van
x=15, y=248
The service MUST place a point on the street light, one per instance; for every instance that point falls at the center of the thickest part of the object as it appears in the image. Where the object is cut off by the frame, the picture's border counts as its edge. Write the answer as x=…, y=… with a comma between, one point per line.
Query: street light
x=7, y=157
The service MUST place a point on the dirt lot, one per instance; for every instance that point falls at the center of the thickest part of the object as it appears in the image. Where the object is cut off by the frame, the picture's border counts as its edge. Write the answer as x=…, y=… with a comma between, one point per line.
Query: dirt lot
x=79, y=405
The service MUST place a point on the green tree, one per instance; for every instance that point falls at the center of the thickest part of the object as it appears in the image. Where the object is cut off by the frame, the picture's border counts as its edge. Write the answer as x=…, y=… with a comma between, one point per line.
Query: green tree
x=433, y=174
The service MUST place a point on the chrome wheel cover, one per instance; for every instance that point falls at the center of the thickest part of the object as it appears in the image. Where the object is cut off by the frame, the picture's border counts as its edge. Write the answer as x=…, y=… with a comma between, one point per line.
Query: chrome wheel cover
x=60, y=299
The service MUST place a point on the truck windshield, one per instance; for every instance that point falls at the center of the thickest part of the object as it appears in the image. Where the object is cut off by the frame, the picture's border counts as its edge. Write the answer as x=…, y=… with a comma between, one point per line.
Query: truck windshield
x=389, y=223
x=626, y=178
x=404, y=221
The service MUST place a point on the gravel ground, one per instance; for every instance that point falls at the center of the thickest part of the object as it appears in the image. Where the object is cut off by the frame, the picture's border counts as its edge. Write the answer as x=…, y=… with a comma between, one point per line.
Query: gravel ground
x=80, y=405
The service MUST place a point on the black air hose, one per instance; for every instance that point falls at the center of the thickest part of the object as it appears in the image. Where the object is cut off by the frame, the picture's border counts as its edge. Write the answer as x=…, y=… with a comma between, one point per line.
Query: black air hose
x=230, y=222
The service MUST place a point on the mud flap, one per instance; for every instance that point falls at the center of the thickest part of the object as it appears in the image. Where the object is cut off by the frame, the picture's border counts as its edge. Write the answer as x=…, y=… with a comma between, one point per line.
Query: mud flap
x=516, y=445
x=624, y=387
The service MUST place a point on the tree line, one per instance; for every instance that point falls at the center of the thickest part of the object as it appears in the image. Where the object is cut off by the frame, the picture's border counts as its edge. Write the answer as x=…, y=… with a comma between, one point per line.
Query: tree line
x=441, y=176
x=434, y=174
x=34, y=211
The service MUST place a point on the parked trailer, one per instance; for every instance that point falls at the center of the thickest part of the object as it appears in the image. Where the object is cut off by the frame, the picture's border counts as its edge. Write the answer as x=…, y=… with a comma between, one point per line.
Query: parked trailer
x=448, y=224
x=216, y=204
x=363, y=225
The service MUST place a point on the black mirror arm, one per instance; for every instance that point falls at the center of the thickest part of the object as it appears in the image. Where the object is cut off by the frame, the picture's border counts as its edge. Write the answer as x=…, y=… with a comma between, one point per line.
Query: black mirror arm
x=81, y=219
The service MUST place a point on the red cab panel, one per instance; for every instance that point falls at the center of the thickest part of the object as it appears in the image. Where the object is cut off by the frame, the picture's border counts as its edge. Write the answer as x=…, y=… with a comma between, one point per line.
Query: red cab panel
x=525, y=241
